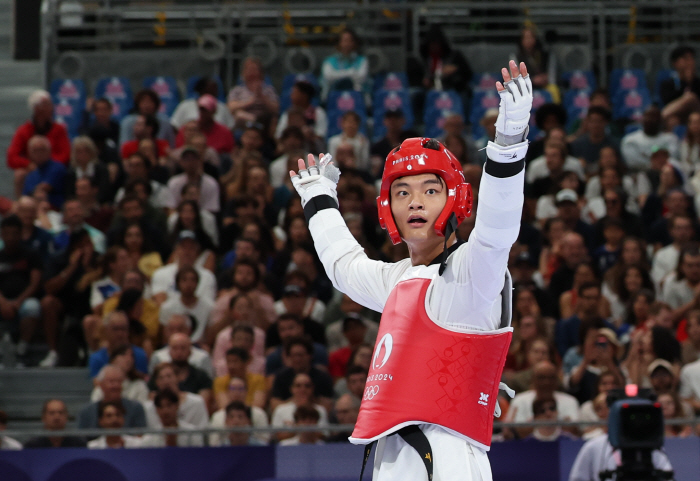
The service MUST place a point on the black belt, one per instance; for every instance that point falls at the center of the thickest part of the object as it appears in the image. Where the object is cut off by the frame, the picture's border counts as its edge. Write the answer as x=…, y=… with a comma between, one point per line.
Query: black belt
x=415, y=438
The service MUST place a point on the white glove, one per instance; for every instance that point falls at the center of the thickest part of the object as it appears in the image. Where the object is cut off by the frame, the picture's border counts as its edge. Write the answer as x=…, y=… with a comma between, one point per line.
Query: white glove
x=514, y=111
x=320, y=179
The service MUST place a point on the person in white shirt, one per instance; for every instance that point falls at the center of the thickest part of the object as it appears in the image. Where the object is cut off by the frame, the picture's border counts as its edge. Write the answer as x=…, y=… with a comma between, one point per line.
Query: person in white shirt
x=163, y=281
x=301, y=95
x=6, y=442
x=199, y=358
x=690, y=384
x=305, y=415
x=192, y=409
x=188, y=109
x=237, y=393
x=302, y=390
x=239, y=415
x=681, y=286
x=637, y=146
x=133, y=386
x=554, y=160
x=166, y=403
x=666, y=259
x=350, y=125
x=545, y=380
x=187, y=303
x=598, y=455
x=110, y=415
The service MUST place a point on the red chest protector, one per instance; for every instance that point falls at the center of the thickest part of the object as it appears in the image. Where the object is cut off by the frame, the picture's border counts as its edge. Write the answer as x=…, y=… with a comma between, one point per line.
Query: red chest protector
x=422, y=373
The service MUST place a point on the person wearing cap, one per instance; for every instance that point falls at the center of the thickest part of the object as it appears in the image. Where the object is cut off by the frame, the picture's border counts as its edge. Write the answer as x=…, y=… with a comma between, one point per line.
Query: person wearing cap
x=452, y=296
x=662, y=376
x=569, y=210
x=219, y=137
x=163, y=282
x=638, y=146
x=193, y=173
x=188, y=110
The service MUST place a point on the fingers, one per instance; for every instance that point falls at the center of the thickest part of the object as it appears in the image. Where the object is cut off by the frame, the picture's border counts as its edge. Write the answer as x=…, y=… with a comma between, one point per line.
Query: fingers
x=312, y=160
x=523, y=69
x=500, y=87
x=514, y=72
x=506, y=75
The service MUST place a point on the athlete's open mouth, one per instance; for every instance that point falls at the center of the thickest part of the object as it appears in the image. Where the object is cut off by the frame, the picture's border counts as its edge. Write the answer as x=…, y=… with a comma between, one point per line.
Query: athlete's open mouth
x=414, y=219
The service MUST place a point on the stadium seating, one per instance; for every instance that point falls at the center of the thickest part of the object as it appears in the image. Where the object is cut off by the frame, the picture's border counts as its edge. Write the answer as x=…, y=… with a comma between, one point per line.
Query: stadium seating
x=482, y=100
x=626, y=79
x=68, y=96
x=390, y=81
x=390, y=100
x=438, y=105
x=288, y=83
x=630, y=104
x=118, y=91
x=167, y=90
x=579, y=80
x=576, y=105
x=340, y=102
x=484, y=81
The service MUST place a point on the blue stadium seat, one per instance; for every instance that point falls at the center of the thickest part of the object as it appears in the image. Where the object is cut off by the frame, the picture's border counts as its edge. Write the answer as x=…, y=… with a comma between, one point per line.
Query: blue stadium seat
x=68, y=96
x=633, y=127
x=482, y=100
x=579, y=80
x=192, y=81
x=72, y=90
x=70, y=115
x=435, y=121
x=166, y=88
x=576, y=104
x=390, y=81
x=485, y=81
x=630, y=104
x=390, y=100
x=341, y=101
x=626, y=79
x=443, y=100
x=662, y=75
x=290, y=79
x=118, y=91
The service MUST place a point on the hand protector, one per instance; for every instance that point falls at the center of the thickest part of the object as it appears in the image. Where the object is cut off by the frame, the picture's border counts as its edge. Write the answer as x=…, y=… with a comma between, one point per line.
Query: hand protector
x=514, y=111
x=320, y=179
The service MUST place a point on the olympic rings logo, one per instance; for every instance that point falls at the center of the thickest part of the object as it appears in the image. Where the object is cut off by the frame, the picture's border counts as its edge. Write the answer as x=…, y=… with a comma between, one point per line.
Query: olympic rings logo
x=370, y=392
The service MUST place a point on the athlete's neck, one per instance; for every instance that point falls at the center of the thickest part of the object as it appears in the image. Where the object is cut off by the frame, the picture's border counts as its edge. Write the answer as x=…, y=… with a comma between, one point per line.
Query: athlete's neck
x=424, y=251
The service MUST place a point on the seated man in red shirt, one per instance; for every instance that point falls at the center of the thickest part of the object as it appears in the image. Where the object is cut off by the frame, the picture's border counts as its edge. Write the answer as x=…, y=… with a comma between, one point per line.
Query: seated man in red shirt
x=219, y=137
x=145, y=127
x=41, y=123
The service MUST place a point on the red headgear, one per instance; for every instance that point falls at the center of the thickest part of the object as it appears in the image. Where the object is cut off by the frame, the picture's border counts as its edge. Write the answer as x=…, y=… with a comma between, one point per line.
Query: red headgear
x=425, y=156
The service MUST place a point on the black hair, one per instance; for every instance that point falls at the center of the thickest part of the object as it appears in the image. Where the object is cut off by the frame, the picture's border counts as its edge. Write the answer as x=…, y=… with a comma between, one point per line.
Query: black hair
x=550, y=109
x=292, y=131
x=602, y=111
x=152, y=122
x=299, y=341
x=665, y=344
x=11, y=221
x=165, y=395
x=681, y=51
x=128, y=299
x=588, y=285
x=146, y=93
x=186, y=270
x=239, y=352
x=239, y=406
x=103, y=405
x=306, y=88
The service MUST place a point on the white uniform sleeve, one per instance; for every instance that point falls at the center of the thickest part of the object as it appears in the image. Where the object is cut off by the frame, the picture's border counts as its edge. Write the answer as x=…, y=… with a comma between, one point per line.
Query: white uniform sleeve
x=468, y=292
x=366, y=281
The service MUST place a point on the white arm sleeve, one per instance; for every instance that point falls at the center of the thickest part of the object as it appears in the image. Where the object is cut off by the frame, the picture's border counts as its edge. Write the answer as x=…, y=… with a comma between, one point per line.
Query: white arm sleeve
x=366, y=281
x=468, y=292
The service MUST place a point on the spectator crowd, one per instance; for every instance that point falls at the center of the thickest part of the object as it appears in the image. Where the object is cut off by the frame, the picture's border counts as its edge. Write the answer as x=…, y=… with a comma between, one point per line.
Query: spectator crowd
x=171, y=256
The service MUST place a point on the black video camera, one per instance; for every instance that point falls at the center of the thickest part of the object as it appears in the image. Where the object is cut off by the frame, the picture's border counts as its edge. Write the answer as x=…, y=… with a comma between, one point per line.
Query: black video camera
x=636, y=428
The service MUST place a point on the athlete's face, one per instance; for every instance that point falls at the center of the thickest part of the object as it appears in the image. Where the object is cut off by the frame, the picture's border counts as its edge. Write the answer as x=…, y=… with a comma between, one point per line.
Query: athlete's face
x=416, y=203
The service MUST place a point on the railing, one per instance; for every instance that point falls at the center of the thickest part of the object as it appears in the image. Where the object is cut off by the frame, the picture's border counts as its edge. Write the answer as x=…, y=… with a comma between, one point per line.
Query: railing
x=24, y=433
x=221, y=34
